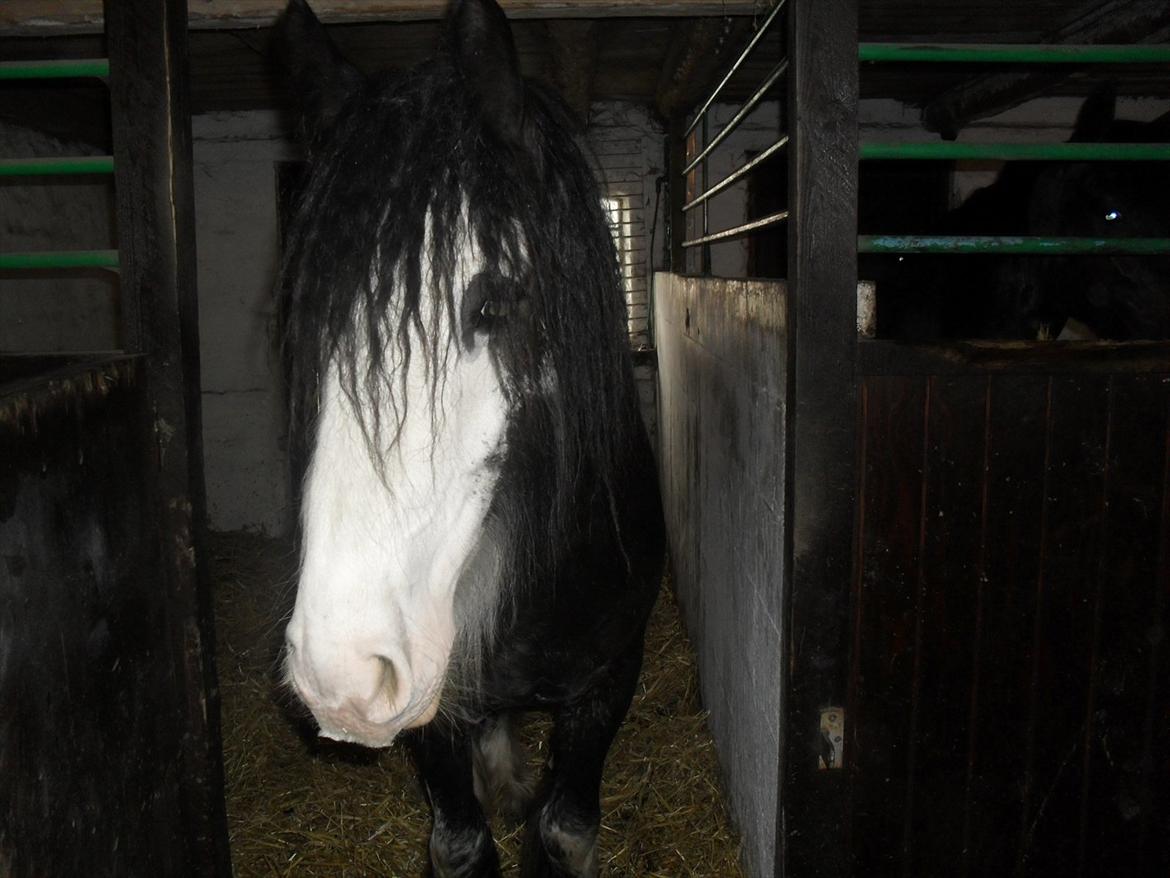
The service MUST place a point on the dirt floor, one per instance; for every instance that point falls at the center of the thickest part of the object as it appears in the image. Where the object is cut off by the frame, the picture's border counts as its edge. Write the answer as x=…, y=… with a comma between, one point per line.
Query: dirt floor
x=301, y=806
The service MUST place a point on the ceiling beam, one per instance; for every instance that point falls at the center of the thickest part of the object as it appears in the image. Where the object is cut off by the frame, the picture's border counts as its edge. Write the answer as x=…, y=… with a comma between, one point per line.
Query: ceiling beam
x=51, y=17
x=699, y=51
x=1114, y=21
x=574, y=61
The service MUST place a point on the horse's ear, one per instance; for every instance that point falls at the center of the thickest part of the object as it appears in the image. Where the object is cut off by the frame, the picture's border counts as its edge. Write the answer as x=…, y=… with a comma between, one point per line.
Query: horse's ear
x=486, y=56
x=319, y=78
x=1096, y=115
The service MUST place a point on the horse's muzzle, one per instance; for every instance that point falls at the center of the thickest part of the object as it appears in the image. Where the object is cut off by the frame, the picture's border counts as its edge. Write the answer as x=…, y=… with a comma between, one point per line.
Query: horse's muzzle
x=363, y=699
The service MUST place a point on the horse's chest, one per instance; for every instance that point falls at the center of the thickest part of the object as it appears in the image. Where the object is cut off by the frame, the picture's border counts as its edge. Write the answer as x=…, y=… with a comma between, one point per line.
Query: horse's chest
x=558, y=651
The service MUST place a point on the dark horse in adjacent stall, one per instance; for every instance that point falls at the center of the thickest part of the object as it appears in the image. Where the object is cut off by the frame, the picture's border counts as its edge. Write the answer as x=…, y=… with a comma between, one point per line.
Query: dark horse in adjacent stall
x=481, y=524
x=1118, y=297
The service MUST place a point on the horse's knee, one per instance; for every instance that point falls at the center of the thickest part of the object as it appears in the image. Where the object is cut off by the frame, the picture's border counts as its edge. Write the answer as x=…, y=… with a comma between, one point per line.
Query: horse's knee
x=502, y=781
x=570, y=843
x=462, y=852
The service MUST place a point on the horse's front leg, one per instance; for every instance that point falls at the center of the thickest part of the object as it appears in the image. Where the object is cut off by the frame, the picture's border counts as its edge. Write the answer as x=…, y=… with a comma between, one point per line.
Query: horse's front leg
x=461, y=841
x=561, y=841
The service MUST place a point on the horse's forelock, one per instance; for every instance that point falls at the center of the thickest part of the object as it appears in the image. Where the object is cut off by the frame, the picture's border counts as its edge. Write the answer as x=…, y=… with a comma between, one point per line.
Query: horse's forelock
x=360, y=249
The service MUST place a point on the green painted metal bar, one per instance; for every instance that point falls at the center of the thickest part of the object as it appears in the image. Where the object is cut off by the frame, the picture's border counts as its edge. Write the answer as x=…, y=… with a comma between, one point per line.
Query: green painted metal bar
x=1067, y=152
x=64, y=165
x=1022, y=53
x=50, y=259
x=62, y=69
x=1012, y=244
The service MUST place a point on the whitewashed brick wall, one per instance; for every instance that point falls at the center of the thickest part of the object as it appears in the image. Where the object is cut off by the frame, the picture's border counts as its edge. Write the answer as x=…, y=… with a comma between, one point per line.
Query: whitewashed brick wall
x=627, y=149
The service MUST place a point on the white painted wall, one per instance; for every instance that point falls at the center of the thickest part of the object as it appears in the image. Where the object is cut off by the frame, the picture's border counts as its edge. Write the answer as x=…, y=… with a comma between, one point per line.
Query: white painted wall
x=628, y=151
x=244, y=439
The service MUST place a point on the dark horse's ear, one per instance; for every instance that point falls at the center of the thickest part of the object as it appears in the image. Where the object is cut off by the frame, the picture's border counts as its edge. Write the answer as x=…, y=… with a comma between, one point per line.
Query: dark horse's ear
x=486, y=56
x=1096, y=115
x=319, y=78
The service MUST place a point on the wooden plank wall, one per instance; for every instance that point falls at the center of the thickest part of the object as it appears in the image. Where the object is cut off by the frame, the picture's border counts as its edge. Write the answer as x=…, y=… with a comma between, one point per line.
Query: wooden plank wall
x=92, y=721
x=721, y=411
x=1009, y=710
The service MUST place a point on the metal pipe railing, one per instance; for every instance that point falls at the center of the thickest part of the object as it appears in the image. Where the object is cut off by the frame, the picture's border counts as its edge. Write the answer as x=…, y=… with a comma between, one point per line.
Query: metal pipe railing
x=759, y=35
x=705, y=252
x=58, y=69
x=64, y=165
x=1021, y=53
x=741, y=114
x=54, y=259
x=1012, y=244
x=764, y=221
x=702, y=199
x=738, y=174
x=1015, y=152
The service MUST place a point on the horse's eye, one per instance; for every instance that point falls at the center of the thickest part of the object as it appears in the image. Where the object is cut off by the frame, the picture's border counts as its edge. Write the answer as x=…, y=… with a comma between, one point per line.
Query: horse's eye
x=488, y=301
x=1112, y=215
x=493, y=310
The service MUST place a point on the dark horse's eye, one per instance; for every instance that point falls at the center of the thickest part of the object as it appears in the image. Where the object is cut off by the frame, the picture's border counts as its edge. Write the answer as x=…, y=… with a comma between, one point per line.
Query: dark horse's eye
x=487, y=302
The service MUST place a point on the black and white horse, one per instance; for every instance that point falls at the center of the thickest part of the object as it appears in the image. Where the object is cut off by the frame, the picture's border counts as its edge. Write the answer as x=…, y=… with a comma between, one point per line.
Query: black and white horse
x=481, y=525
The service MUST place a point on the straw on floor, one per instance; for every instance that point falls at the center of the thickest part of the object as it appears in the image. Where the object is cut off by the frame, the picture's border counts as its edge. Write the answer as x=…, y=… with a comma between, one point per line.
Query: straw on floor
x=301, y=806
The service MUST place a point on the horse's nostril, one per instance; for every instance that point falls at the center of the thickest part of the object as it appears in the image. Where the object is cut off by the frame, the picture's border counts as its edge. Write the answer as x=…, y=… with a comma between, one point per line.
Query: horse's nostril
x=389, y=684
x=382, y=703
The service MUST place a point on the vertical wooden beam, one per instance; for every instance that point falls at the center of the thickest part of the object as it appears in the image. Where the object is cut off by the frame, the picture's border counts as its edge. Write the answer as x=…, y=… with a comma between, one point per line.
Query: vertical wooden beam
x=821, y=447
x=147, y=44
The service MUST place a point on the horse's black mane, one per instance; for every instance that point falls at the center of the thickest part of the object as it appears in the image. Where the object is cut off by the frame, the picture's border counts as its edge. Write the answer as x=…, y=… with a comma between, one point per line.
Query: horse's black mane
x=413, y=147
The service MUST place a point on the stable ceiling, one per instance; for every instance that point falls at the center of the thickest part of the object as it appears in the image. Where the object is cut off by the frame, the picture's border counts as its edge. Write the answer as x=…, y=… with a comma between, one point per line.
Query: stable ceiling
x=661, y=52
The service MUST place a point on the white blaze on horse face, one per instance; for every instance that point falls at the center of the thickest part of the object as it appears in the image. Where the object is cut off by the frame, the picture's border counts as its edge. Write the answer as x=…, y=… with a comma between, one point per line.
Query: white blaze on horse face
x=371, y=636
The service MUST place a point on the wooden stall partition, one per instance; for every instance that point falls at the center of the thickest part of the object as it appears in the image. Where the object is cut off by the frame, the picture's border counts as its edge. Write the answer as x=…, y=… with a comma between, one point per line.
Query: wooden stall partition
x=92, y=725
x=1009, y=703
x=812, y=829
x=147, y=42
x=722, y=413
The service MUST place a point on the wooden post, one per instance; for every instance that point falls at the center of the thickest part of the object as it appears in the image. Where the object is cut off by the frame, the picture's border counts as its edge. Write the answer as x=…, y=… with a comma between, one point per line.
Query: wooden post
x=812, y=831
x=147, y=42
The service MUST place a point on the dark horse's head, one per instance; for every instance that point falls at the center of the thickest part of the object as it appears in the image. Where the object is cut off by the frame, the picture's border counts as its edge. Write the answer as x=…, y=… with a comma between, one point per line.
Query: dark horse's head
x=450, y=292
x=1116, y=297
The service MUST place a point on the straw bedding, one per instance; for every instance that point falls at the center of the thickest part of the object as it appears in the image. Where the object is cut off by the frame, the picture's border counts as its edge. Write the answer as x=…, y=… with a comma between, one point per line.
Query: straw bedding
x=301, y=806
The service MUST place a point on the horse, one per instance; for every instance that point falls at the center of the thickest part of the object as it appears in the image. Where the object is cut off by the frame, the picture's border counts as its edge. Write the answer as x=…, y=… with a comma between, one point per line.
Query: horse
x=481, y=527
x=1122, y=298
